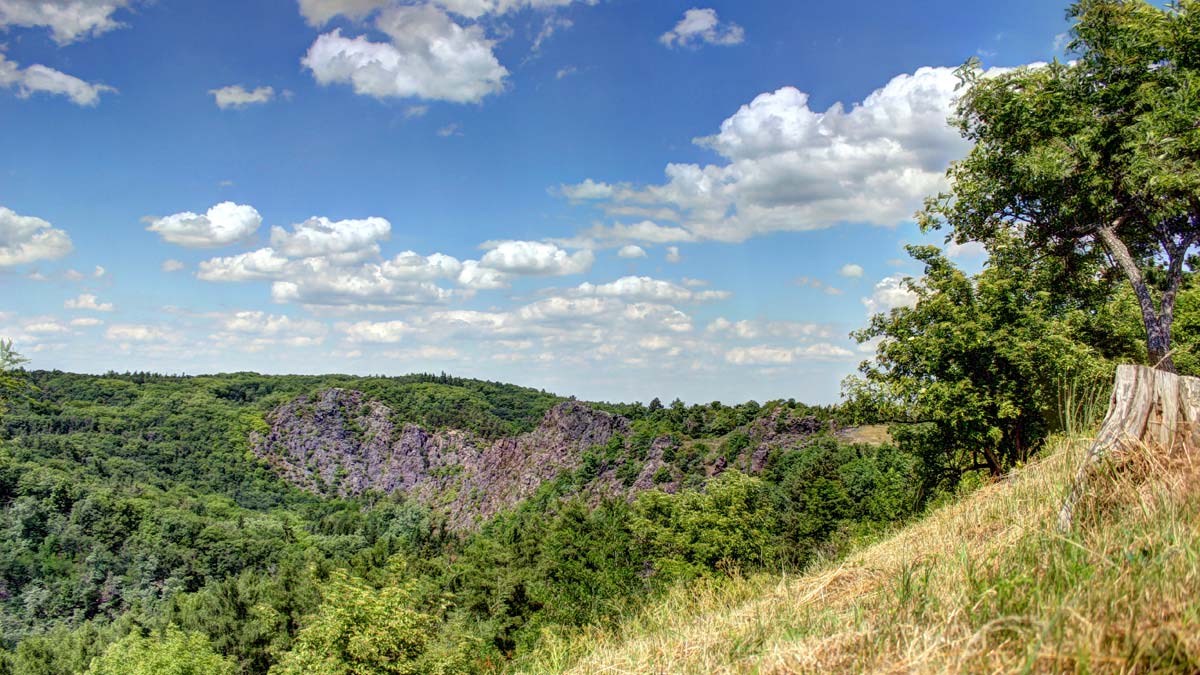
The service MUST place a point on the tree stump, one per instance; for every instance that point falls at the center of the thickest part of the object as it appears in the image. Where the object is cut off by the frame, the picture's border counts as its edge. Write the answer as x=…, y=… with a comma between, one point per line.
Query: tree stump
x=1148, y=407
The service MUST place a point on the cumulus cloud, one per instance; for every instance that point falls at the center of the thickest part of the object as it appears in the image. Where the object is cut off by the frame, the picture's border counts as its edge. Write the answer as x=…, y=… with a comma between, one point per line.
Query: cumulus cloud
x=254, y=331
x=701, y=26
x=318, y=12
x=889, y=293
x=132, y=332
x=258, y=265
x=237, y=96
x=87, y=301
x=221, y=225
x=747, y=329
x=649, y=289
x=384, y=332
x=411, y=265
x=477, y=277
x=68, y=20
x=588, y=189
x=318, y=283
x=536, y=259
x=25, y=239
x=631, y=251
x=763, y=355
x=39, y=79
x=428, y=56
x=851, y=271
x=321, y=236
x=788, y=167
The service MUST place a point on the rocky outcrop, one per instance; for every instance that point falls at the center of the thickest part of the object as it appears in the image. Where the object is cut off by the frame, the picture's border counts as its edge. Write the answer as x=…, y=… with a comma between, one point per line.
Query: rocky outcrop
x=339, y=442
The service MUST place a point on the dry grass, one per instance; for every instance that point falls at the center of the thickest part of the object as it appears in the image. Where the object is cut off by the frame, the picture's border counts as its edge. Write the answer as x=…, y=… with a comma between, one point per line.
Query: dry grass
x=981, y=586
x=871, y=434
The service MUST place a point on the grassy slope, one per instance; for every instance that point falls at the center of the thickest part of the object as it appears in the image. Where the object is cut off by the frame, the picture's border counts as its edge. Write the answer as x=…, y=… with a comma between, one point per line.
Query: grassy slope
x=984, y=585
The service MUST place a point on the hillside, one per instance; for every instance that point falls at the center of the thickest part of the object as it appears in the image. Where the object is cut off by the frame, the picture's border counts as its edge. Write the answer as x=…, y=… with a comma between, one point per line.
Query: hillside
x=231, y=507
x=984, y=585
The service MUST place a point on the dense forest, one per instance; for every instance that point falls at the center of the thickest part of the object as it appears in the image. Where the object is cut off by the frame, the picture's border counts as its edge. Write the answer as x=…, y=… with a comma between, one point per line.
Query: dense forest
x=145, y=532
x=140, y=526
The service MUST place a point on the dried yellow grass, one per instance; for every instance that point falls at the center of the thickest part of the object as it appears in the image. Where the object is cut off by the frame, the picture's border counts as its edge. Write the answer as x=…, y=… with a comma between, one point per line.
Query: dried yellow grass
x=984, y=585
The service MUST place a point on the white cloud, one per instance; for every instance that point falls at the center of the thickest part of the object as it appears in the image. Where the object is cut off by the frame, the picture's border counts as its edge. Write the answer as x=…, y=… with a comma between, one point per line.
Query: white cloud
x=429, y=56
x=26, y=239
x=366, y=287
x=550, y=26
x=754, y=329
x=971, y=249
x=788, y=167
x=385, y=332
x=254, y=331
x=318, y=12
x=702, y=26
x=851, y=271
x=172, y=265
x=588, y=189
x=649, y=289
x=476, y=277
x=321, y=236
x=632, y=251
x=45, y=327
x=473, y=9
x=236, y=96
x=68, y=20
x=87, y=301
x=262, y=264
x=760, y=356
x=39, y=79
x=646, y=231
x=410, y=265
x=536, y=259
x=673, y=255
x=132, y=332
x=889, y=293
x=223, y=224
x=763, y=355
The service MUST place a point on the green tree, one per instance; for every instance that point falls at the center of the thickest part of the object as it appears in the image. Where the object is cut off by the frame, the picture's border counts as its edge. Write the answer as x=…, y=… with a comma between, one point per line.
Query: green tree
x=362, y=630
x=1099, y=154
x=970, y=375
x=10, y=380
x=171, y=653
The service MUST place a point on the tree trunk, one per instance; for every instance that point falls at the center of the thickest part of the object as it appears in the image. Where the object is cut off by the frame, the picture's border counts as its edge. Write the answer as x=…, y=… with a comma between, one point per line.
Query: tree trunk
x=1150, y=407
x=1156, y=321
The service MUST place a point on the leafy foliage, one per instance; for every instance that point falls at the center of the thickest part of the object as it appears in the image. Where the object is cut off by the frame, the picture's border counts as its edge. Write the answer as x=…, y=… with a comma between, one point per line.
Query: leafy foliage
x=1098, y=155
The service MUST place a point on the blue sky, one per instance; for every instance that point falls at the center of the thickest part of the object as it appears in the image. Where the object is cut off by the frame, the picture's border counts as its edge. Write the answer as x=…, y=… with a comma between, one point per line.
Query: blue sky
x=616, y=199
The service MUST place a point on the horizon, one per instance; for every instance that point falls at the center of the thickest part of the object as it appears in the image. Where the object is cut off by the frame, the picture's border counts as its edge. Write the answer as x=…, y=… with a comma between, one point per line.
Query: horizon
x=485, y=188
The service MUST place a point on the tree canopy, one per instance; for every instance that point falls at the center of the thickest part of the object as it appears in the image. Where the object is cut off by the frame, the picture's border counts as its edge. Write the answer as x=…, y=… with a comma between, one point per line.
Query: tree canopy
x=1099, y=154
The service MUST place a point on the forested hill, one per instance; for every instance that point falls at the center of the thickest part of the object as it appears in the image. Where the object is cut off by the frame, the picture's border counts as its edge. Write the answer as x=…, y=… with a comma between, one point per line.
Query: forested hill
x=227, y=511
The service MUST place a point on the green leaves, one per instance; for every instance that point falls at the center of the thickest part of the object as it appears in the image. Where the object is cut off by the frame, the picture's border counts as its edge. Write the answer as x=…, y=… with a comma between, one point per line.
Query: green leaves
x=172, y=652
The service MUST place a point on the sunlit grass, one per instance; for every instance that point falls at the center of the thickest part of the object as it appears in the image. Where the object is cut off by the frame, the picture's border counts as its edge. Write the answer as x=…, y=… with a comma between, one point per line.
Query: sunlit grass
x=984, y=585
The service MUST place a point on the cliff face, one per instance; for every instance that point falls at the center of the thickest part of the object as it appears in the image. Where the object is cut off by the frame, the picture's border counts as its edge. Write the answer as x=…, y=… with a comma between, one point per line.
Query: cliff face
x=340, y=442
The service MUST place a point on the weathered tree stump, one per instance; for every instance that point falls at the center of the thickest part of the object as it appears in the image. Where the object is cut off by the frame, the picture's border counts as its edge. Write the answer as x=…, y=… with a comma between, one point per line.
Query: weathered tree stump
x=1149, y=407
